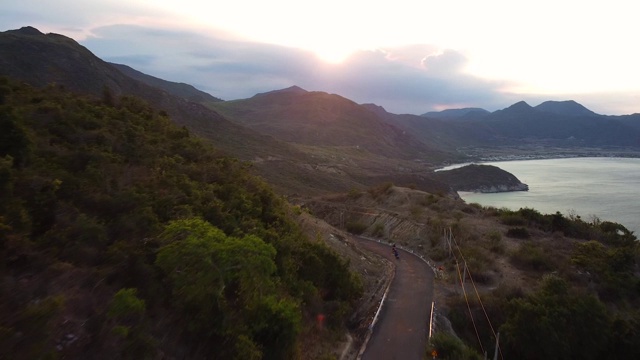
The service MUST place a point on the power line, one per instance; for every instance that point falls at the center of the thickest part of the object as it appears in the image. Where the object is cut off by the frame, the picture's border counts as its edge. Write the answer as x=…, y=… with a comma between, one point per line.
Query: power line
x=485, y=312
x=477, y=295
x=469, y=307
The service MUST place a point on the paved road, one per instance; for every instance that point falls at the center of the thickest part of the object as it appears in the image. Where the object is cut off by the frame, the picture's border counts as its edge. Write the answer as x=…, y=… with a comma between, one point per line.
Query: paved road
x=403, y=323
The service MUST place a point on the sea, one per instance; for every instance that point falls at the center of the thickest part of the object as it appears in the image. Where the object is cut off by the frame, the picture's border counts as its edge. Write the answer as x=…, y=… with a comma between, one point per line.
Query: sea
x=600, y=187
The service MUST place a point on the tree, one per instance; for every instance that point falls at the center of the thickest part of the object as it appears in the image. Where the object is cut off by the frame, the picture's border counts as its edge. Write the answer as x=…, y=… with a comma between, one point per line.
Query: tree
x=555, y=323
x=225, y=285
x=13, y=138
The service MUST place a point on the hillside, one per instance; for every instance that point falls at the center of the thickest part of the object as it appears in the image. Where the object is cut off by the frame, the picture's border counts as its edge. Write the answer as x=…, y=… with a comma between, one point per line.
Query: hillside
x=553, y=128
x=568, y=107
x=310, y=158
x=540, y=278
x=183, y=90
x=38, y=59
x=344, y=138
x=480, y=178
x=456, y=113
x=123, y=235
x=310, y=143
x=320, y=119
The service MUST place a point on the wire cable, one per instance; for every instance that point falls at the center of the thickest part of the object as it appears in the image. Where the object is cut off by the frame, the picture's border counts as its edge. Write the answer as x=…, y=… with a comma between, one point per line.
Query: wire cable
x=469, y=307
x=477, y=294
x=484, y=310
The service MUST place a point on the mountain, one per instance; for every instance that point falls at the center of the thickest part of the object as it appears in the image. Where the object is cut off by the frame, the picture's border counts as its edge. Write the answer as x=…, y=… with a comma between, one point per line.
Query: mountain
x=356, y=151
x=456, y=113
x=55, y=60
x=182, y=90
x=568, y=107
x=317, y=118
x=52, y=59
x=309, y=142
x=565, y=125
x=123, y=236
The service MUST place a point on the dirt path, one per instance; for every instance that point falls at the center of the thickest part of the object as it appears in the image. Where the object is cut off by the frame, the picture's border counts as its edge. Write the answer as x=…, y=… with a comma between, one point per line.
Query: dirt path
x=403, y=324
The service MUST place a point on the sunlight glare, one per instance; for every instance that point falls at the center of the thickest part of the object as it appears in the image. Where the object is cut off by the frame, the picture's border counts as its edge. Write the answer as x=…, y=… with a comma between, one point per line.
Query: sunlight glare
x=332, y=54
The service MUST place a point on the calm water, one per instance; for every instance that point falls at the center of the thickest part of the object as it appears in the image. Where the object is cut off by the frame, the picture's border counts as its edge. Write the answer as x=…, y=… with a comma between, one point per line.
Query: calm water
x=608, y=188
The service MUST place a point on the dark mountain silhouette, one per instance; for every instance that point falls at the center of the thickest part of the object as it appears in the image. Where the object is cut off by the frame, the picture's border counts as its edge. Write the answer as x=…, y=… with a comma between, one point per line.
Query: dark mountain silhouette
x=41, y=60
x=456, y=113
x=182, y=90
x=521, y=121
x=632, y=120
x=568, y=107
x=290, y=90
x=312, y=141
x=356, y=153
x=320, y=119
x=55, y=60
x=567, y=124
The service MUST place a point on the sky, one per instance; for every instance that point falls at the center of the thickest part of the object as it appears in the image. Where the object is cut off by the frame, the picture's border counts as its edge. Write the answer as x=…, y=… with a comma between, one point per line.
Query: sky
x=409, y=56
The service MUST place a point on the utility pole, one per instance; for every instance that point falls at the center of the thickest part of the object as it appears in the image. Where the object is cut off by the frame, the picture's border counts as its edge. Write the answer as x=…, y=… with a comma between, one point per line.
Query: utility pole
x=495, y=354
x=431, y=320
x=464, y=274
x=447, y=241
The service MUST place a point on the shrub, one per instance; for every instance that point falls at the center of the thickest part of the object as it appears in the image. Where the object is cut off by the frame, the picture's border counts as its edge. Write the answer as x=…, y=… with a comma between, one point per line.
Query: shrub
x=354, y=194
x=513, y=220
x=416, y=212
x=532, y=257
x=378, y=230
x=126, y=305
x=381, y=189
x=355, y=227
x=495, y=242
x=448, y=346
x=518, y=233
x=438, y=254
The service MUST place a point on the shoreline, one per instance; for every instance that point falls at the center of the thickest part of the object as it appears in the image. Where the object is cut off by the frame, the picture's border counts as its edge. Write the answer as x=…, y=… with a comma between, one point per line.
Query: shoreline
x=586, y=190
x=505, y=158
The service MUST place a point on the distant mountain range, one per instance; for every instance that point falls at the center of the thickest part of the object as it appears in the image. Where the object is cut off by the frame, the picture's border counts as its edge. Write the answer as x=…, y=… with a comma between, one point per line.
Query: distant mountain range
x=456, y=113
x=568, y=108
x=312, y=141
x=566, y=124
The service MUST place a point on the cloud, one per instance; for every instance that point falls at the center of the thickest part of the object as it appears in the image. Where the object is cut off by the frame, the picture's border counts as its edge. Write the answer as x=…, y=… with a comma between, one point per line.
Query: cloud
x=183, y=41
x=411, y=84
x=447, y=62
x=412, y=79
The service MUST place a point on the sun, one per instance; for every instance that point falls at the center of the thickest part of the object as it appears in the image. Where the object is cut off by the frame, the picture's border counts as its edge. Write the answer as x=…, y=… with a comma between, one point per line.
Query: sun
x=333, y=56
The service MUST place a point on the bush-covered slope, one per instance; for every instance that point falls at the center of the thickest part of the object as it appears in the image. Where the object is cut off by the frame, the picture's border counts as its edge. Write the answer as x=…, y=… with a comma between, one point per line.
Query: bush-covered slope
x=121, y=235
x=554, y=286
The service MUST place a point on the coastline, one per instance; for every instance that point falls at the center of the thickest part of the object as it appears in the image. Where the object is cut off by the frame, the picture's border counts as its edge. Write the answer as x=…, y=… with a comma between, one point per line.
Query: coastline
x=525, y=157
x=592, y=187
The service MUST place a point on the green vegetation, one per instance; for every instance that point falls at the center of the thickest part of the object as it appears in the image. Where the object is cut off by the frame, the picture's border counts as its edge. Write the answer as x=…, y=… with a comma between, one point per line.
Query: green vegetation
x=450, y=347
x=518, y=233
x=582, y=291
x=380, y=190
x=556, y=323
x=355, y=227
x=123, y=234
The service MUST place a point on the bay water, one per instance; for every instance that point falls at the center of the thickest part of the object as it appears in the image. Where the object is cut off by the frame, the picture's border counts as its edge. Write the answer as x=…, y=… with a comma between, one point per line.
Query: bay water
x=606, y=188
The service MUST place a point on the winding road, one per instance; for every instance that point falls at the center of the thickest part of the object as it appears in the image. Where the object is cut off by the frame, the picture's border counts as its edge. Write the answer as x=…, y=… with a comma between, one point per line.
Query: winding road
x=403, y=325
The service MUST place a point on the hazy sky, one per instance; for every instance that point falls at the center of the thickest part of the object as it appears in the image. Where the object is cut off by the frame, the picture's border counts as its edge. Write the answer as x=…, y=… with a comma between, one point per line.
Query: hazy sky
x=410, y=56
